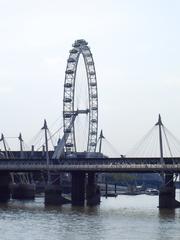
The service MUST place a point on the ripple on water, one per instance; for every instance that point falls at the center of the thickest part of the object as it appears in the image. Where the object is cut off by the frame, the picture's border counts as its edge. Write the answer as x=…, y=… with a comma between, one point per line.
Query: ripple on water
x=124, y=217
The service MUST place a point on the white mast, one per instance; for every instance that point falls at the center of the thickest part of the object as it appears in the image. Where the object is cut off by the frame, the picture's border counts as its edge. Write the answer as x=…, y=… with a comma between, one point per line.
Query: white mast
x=101, y=138
x=47, y=153
x=4, y=144
x=21, y=146
x=160, y=125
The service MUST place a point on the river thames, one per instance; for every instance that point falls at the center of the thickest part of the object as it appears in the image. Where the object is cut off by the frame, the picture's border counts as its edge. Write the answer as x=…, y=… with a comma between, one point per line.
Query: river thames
x=124, y=217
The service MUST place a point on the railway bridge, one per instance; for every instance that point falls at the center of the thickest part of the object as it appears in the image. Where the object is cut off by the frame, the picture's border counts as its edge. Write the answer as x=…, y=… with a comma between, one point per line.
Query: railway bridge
x=80, y=134
x=80, y=168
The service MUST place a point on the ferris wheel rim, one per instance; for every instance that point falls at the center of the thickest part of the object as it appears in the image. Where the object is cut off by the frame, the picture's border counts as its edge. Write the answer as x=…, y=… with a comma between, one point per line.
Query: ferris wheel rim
x=80, y=47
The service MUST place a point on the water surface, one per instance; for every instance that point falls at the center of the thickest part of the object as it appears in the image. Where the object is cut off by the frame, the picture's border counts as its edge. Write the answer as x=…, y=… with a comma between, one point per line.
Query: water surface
x=124, y=217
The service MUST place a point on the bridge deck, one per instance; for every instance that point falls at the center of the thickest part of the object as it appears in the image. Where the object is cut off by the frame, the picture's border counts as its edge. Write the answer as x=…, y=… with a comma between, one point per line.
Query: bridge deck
x=138, y=165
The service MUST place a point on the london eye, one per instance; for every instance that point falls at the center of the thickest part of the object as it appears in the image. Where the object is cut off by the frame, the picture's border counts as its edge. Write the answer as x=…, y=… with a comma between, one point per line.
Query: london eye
x=85, y=108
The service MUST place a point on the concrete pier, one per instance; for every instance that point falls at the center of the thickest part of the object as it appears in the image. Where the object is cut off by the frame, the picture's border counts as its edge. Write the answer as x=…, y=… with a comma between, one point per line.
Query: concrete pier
x=106, y=189
x=93, y=194
x=23, y=191
x=53, y=195
x=53, y=191
x=78, y=188
x=4, y=186
x=167, y=194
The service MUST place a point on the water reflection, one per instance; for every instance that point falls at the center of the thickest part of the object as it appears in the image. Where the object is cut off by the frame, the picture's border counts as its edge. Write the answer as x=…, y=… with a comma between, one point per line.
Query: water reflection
x=167, y=214
x=88, y=210
x=124, y=217
x=169, y=224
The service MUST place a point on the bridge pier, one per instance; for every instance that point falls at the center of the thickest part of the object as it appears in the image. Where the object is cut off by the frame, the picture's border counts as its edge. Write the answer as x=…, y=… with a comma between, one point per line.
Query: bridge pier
x=21, y=187
x=93, y=194
x=52, y=195
x=53, y=192
x=167, y=193
x=23, y=191
x=4, y=186
x=78, y=188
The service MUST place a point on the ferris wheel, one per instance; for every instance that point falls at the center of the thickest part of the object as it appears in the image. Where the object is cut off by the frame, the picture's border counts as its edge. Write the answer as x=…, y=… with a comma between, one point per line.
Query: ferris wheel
x=71, y=109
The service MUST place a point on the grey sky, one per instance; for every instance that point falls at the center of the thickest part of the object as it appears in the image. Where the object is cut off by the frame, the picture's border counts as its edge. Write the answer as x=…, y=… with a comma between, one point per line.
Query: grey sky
x=135, y=44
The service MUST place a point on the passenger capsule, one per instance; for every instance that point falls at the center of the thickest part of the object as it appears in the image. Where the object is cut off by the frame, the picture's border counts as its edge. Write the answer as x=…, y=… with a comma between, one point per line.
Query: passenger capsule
x=76, y=44
x=81, y=42
x=94, y=120
x=91, y=73
x=88, y=54
x=69, y=71
x=94, y=95
x=67, y=100
x=85, y=48
x=93, y=133
x=71, y=60
x=93, y=144
x=68, y=85
x=73, y=51
x=93, y=84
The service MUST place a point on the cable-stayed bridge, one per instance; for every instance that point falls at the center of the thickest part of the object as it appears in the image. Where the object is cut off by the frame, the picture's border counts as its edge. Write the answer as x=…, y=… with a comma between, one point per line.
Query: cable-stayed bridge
x=89, y=163
x=79, y=151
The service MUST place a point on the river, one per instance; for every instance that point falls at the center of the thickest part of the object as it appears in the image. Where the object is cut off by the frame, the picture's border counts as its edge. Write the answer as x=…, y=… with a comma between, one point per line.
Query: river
x=124, y=217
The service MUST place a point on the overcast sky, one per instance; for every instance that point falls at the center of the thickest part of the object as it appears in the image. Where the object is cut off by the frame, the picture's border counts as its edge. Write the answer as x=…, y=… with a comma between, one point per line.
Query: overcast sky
x=136, y=49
